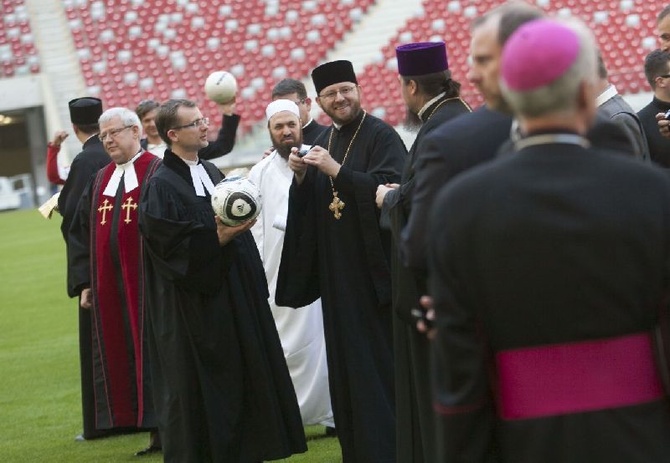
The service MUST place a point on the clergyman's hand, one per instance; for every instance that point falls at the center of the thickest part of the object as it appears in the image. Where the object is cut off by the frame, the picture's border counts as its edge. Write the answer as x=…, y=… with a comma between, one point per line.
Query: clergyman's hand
x=227, y=233
x=86, y=298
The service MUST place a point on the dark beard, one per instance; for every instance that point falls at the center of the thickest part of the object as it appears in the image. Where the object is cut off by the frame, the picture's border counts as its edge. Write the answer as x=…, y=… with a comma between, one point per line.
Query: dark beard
x=285, y=150
x=412, y=122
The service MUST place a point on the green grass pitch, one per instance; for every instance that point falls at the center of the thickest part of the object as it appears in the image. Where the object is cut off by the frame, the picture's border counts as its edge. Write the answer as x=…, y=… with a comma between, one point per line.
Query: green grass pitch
x=40, y=409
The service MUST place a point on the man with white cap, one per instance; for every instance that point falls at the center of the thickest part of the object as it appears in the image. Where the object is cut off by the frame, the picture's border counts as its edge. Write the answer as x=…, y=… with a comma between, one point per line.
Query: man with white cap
x=432, y=97
x=549, y=273
x=105, y=257
x=300, y=330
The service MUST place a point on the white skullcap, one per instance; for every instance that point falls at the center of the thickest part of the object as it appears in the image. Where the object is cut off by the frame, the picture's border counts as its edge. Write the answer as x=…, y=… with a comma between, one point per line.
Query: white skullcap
x=281, y=105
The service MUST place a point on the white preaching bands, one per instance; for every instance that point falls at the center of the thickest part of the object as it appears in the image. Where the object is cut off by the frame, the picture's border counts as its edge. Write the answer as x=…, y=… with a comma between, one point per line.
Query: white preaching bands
x=200, y=178
x=127, y=171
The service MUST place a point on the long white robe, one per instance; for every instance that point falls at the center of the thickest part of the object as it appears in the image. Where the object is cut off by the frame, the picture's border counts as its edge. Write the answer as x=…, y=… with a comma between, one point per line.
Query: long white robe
x=300, y=330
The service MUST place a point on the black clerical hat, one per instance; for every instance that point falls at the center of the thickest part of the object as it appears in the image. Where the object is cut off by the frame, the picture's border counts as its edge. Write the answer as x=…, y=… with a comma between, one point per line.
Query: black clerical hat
x=418, y=59
x=333, y=73
x=85, y=110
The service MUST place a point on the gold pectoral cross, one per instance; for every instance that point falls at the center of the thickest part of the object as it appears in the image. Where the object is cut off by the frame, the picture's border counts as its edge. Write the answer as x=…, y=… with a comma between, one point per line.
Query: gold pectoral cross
x=127, y=206
x=336, y=206
x=106, y=206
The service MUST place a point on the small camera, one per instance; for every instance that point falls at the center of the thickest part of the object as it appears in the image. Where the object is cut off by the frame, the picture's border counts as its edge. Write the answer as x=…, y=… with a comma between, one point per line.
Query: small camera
x=421, y=315
x=303, y=152
x=667, y=115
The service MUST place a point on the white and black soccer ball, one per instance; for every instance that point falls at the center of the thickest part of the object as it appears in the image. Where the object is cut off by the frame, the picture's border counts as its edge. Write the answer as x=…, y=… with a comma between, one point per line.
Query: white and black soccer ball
x=236, y=200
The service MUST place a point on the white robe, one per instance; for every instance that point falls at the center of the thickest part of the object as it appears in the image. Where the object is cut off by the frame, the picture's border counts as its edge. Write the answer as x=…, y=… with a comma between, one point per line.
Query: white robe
x=300, y=330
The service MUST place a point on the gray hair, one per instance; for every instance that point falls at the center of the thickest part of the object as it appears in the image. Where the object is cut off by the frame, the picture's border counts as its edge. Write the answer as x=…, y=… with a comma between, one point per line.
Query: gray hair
x=128, y=117
x=559, y=95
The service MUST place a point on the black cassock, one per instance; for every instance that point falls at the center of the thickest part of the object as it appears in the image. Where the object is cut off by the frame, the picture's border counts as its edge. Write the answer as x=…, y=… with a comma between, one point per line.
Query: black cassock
x=91, y=159
x=222, y=390
x=346, y=263
x=556, y=256
x=415, y=436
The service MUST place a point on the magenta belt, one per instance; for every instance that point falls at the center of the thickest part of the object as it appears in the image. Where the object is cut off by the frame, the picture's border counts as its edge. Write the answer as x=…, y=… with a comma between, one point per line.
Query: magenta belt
x=576, y=377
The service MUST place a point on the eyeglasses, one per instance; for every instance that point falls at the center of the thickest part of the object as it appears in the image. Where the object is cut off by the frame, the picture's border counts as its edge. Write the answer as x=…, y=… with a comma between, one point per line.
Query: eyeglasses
x=344, y=91
x=196, y=123
x=113, y=133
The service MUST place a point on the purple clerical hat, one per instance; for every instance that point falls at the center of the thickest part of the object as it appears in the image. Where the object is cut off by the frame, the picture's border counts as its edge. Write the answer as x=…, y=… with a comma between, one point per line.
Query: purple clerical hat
x=537, y=54
x=417, y=59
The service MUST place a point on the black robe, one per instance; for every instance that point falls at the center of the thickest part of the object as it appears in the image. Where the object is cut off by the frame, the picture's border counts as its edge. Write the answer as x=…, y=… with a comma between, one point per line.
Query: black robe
x=415, y=437
x=554, y=245
x=346, y=263
x=222, y=390
x=225, y=139
x=105, y=255
x=92, y=158
x=312, y=131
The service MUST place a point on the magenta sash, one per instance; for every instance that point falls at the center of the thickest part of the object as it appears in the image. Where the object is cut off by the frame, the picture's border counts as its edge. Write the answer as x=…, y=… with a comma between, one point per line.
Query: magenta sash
x=576, y=377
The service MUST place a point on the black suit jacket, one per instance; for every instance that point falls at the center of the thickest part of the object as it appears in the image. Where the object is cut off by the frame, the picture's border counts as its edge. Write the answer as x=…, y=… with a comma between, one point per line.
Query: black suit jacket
x=407, y=288
x=450, y=149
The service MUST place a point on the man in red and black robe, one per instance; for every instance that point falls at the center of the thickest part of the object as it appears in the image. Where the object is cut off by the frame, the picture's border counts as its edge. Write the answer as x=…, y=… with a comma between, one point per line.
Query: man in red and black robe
x=105, y=260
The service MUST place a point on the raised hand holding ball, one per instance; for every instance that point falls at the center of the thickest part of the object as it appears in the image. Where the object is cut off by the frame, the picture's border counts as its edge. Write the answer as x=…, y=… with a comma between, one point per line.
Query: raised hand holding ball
x=221, y=87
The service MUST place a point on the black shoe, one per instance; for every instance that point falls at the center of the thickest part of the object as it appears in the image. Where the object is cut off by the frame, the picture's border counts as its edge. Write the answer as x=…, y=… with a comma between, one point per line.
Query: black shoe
x=148, y=451
x=331, y=432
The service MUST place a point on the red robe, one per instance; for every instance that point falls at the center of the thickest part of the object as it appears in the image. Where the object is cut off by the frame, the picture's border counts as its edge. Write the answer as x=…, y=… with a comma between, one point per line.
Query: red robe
x=106, y=252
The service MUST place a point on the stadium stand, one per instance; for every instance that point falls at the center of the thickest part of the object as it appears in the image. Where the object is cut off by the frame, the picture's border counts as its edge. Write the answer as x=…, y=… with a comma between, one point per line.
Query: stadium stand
x=161, y=49
x=624, y=30
x=18, y=54
x=129, y=50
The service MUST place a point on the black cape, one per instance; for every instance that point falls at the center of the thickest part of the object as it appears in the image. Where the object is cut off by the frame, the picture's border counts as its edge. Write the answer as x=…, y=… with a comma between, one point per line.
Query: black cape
x=415, y=437
x=346, y=263
x=222, y=390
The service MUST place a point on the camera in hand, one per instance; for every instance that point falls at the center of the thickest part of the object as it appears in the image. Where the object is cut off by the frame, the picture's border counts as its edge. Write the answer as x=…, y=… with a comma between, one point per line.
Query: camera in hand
x=303, y=152
x=667, y=115
x=421, y=315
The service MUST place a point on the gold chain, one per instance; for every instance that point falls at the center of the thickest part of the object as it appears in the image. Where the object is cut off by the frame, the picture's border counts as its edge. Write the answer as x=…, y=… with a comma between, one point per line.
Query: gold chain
x=337, y=204
x=443, y=102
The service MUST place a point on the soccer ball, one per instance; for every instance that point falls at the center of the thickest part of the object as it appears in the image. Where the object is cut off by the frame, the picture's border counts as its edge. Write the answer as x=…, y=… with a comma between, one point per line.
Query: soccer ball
x=236, y=200
x=221, y=87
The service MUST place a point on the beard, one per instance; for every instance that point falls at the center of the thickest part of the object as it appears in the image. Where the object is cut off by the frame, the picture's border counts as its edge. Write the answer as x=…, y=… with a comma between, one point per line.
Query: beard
x=354, y=110
x=412, y=122
x=284, y=148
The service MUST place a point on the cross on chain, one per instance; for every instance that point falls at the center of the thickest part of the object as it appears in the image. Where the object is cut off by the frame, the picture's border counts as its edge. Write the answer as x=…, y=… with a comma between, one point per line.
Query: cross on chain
x=336, y=206
x=127, y=206
x=106, y=206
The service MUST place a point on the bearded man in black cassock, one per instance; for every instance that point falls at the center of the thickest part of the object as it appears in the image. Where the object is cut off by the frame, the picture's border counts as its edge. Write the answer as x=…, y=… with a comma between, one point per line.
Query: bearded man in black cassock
x=105, y=259
x=334, y=249
x=222, y=391
x=549, y=273
x=432, y=98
